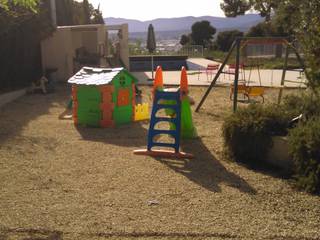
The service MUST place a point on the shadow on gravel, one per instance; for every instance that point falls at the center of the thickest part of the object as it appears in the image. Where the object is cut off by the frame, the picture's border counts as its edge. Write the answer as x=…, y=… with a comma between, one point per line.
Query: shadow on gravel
x=205, y=169
x=16, y=115
x=130, y=135
x=30, y=234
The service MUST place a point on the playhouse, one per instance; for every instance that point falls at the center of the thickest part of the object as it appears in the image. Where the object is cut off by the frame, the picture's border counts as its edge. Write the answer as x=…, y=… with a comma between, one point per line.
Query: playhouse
x=103, y=97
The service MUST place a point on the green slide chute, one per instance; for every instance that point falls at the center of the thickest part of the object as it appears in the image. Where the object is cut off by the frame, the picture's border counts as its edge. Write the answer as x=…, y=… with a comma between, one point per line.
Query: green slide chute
x=188, y=131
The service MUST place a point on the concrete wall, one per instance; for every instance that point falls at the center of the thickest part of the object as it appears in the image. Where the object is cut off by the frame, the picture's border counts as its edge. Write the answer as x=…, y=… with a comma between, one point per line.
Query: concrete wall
x=11, y=96
x=57, y=52
x=77, y=40
x=90, y=41
x=106, y=43
x=124, y=45
x=279, y=153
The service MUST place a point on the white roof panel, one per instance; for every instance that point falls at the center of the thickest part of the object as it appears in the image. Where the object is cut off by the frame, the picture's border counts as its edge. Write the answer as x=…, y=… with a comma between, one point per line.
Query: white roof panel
x=94, y=76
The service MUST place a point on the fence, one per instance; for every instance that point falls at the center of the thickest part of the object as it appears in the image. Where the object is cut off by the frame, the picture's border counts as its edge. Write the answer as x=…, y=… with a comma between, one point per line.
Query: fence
x=268, y=51
x=191, y=51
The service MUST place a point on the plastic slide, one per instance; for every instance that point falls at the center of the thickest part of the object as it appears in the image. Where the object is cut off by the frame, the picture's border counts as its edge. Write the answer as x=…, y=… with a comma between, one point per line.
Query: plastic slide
x=188, y=131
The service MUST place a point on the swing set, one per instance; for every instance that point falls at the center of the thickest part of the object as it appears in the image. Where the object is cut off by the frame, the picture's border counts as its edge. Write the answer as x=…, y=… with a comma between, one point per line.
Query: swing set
x=244, y=85
x=241, y=85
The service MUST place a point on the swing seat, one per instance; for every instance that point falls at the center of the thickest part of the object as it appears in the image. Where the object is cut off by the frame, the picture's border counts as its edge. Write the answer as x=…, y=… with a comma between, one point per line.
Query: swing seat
x=242, y=89
x=255, y=92
x=248, y=91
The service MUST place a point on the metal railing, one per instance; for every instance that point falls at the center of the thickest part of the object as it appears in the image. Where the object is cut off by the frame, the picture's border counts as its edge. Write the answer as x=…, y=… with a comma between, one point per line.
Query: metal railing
x=190, y=51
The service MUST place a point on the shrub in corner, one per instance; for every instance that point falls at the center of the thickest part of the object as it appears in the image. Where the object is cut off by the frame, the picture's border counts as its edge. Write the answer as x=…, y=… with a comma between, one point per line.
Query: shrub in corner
x=248, y=132
x=304, y=146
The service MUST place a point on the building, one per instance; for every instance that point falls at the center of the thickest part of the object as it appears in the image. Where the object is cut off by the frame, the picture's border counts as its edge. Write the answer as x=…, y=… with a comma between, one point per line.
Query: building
x=72, y=47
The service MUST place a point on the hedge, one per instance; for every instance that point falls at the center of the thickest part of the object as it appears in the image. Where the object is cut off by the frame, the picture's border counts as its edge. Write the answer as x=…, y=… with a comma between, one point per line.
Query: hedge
x=248, y=133
x=248, y=136
x=304, y=146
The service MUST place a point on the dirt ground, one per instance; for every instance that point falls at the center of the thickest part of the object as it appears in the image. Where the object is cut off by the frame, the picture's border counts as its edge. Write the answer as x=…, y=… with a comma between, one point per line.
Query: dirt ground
x=62, y=182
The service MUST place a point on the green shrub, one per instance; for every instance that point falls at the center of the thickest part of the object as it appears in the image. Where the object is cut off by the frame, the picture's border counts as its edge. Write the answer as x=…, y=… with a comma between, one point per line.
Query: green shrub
x=304, y=146
x=247, y=133
x=307, y=104
x=248, y=136
x=293, y=104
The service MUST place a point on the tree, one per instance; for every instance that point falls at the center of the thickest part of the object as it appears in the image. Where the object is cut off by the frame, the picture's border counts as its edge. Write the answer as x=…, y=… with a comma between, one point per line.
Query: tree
x=97, y=17
x=86, y=12
x=267, y=29
x=226, y=38
x=202, y=33
x=70, y=12
x=185, y=39
x=265, y=7
x=66, y=11
x=233, y=8
x=27, y=4
x=20, y=51
x=16, y=14
x=77, y=12
x=302, y=19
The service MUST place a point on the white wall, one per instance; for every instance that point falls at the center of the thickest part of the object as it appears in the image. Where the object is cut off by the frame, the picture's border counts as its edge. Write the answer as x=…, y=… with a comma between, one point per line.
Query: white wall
x=90, y=41
x=57, y=53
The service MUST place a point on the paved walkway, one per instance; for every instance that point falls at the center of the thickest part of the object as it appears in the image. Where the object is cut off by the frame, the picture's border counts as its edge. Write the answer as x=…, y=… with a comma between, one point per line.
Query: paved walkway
x=269, y=78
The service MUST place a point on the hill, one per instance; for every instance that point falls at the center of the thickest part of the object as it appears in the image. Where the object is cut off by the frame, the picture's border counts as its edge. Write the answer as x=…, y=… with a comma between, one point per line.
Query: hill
x=183, y=24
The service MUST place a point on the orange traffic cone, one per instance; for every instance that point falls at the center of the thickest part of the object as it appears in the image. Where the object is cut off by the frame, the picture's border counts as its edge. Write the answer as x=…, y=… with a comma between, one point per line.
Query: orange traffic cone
x=158, y=80
x=184, y=82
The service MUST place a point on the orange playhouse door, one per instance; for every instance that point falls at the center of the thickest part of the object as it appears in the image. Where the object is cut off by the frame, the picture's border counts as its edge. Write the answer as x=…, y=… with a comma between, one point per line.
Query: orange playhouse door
x=123, y=97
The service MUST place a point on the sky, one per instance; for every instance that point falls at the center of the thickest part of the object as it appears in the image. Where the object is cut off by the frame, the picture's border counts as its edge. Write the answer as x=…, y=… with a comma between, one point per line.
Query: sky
x=151, y=9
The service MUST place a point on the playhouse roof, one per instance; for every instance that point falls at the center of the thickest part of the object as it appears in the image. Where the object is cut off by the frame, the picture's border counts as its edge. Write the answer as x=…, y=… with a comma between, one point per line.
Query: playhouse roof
x=97, y=76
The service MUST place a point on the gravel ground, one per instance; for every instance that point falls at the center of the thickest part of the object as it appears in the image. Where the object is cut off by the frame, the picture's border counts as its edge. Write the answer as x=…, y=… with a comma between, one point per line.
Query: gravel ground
x=62, y=182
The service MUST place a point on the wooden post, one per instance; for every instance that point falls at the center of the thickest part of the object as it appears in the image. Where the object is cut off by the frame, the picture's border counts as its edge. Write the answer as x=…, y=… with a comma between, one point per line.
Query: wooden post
x=236, y=78
x=283, y=78
x=152, y=67
x=216, y=77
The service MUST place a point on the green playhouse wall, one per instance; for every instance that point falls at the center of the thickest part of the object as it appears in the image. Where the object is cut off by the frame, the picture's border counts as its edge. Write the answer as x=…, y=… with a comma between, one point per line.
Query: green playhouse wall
x=123, y=114
x=89, y=99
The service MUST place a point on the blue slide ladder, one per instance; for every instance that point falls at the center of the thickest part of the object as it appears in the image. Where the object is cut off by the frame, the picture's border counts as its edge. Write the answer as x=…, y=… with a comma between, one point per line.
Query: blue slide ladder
x=176, y=107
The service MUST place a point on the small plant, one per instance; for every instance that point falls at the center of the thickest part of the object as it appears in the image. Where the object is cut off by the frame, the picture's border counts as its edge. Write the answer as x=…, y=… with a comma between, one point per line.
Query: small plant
x=304, y=145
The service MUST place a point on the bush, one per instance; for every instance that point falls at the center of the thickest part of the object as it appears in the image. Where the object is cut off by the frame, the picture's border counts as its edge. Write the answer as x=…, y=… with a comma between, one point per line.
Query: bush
x=304, y=146
x=306, y=104
x=247, y=133
x=248, y=136
x=20, y=36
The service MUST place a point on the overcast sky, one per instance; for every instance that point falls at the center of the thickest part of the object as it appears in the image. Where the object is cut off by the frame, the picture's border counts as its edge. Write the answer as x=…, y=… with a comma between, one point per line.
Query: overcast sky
x=150, y=9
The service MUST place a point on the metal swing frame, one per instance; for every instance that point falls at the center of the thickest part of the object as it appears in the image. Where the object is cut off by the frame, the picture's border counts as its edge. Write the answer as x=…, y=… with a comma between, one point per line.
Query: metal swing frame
x=241, y=42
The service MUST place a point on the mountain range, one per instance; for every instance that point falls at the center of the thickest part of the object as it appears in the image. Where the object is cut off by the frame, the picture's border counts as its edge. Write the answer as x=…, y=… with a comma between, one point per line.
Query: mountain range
x=183, y=24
